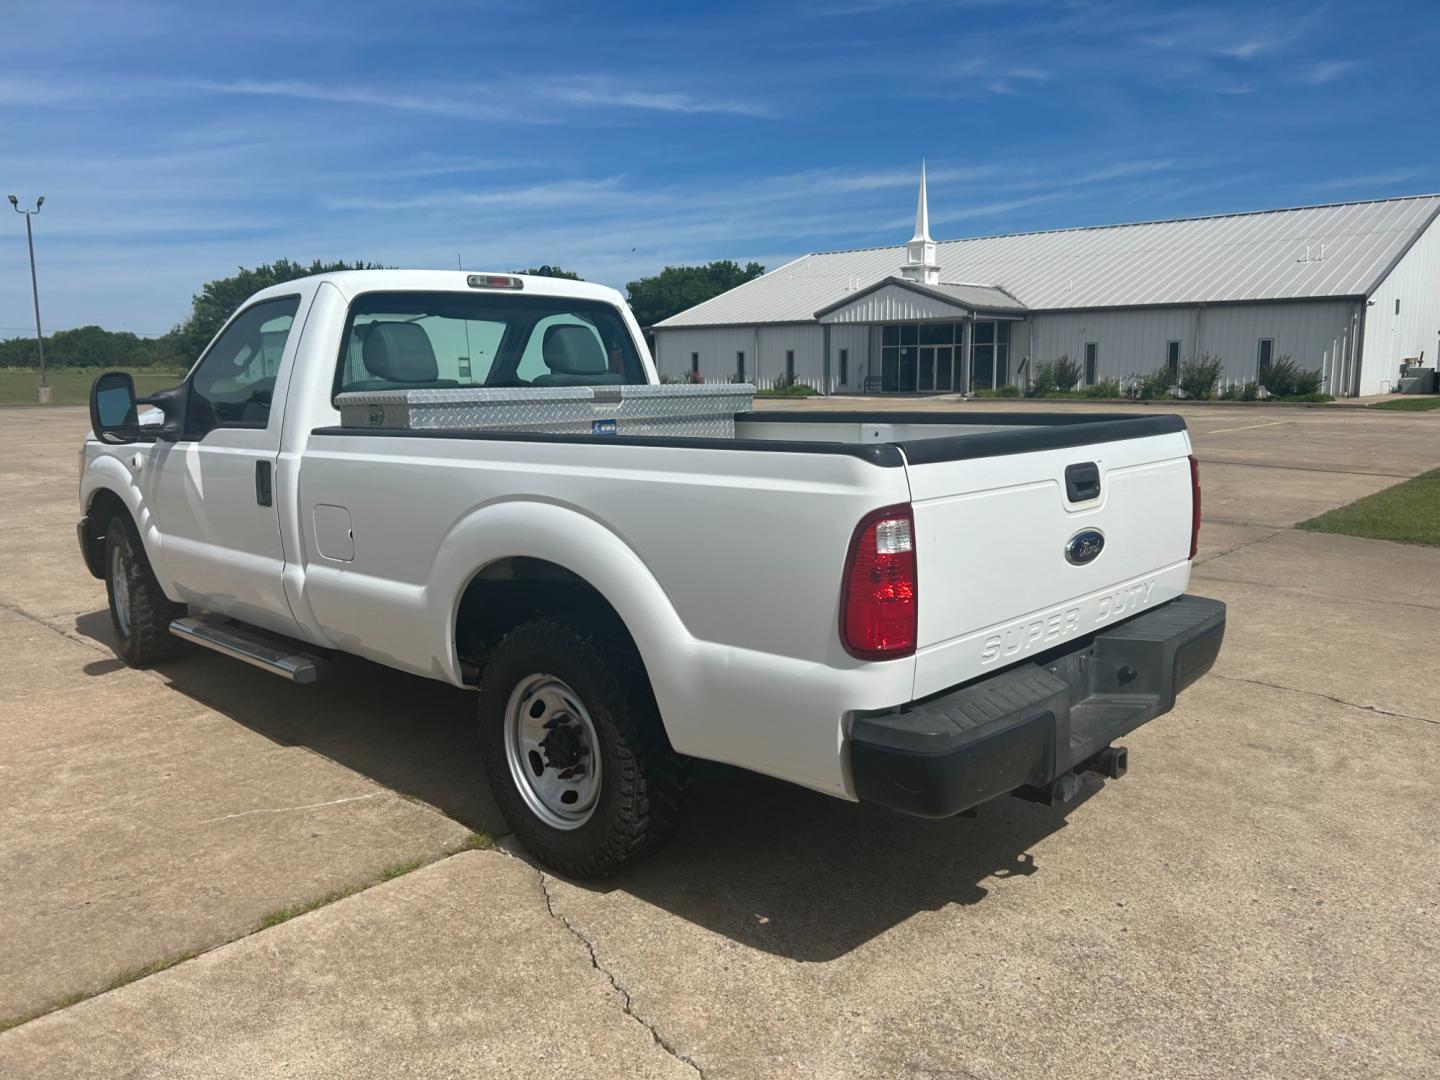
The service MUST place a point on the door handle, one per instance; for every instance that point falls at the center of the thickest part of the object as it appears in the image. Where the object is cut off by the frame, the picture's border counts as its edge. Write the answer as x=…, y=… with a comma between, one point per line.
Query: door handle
x=264, y=487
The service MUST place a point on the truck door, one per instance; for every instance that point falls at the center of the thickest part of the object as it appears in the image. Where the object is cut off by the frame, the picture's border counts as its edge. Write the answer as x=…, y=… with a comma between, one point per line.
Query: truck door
x=215, y=497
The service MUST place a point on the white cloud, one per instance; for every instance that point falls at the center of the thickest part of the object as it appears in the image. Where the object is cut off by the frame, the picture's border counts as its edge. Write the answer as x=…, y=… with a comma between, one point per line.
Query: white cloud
x=1328, y=71
x=1368, y=180
x=600, y=92
x=439, y=105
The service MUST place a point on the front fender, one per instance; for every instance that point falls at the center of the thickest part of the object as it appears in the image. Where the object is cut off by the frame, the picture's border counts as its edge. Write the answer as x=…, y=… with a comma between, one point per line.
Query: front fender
x=121, y=478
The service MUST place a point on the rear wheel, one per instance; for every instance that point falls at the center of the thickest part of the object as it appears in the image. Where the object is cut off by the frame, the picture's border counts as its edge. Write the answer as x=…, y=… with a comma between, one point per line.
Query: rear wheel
x=574, y=747
x=139, y=610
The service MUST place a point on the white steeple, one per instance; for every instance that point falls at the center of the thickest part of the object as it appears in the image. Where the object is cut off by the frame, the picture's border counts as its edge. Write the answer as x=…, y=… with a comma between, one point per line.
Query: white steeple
x=920, y=262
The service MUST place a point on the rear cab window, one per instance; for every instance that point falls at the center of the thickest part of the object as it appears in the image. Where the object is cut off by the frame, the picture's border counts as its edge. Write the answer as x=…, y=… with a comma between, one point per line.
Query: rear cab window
x=442, y=340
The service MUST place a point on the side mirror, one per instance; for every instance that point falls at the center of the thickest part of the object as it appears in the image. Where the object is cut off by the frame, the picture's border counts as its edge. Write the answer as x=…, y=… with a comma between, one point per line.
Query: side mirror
x=112, y=408
x=171, y=404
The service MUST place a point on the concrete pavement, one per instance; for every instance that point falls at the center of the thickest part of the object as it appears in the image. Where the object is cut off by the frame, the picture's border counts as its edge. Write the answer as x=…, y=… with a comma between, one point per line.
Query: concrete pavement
x=1258, y=897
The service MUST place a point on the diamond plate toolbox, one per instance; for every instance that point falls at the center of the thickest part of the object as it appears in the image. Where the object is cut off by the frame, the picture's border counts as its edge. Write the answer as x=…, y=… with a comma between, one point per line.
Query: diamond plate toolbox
x=702, y=411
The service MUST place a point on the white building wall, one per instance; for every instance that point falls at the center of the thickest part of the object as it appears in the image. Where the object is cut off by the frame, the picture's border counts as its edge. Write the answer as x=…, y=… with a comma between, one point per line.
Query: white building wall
x=1413, y=332
x=716, y=347
x=1127, y=342
x=1308, y=333
x=856, y=339
x=808, y=343
x=1134, y=341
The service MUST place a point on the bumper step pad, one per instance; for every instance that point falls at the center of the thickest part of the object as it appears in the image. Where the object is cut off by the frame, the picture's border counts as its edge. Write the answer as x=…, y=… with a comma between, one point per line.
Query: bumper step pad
x=1031, y=724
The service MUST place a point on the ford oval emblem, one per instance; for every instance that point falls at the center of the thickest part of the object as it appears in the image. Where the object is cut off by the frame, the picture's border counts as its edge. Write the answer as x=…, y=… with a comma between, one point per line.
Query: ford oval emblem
x=1084, y=547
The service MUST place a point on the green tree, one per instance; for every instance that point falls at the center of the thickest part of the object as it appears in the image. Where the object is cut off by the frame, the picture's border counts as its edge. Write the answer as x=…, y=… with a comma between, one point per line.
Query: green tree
x=88, y=346
x=679, y=287
x=546, y=270
x=221, y=298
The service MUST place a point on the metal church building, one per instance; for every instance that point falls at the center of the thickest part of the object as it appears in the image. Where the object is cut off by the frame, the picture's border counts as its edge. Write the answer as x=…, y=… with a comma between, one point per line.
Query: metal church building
x=1349, y=289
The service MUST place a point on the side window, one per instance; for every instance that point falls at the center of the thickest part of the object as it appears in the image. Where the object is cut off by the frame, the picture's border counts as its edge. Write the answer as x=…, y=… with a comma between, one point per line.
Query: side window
x=235, y=380
x=1266, y=354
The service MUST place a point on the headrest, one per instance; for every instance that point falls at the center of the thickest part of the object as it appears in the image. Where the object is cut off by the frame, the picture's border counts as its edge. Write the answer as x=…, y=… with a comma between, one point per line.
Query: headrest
x=573, y=350
x=399, y=352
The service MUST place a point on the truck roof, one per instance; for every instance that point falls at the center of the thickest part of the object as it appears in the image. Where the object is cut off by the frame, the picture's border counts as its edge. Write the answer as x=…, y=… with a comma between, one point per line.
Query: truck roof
x=353, y=282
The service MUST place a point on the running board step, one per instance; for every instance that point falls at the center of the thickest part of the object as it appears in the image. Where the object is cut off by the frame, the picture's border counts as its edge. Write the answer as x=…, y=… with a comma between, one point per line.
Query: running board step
x=265, y=651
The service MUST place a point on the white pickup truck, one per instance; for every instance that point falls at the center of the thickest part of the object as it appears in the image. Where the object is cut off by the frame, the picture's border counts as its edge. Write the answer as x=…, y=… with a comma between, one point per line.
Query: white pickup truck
x=921, y=610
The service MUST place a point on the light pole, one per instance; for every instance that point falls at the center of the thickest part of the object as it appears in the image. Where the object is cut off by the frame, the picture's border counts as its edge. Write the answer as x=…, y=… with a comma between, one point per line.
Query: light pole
x=43, y=390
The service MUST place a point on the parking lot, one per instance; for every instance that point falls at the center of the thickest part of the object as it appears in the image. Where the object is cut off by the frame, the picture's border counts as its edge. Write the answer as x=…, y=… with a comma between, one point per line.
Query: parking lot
x=1260, y=896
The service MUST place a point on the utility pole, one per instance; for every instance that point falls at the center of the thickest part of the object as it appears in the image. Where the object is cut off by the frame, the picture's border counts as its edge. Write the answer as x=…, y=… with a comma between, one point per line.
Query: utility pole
x=42, y=392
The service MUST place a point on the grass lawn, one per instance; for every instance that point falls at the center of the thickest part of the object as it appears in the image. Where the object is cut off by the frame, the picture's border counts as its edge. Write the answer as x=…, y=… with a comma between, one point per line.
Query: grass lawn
x=72, y=385
x=1418, y=403
x=1408, y=512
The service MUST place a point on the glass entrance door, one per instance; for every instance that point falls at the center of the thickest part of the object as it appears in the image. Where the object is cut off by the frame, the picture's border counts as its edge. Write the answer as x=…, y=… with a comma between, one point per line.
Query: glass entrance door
x=926, y=377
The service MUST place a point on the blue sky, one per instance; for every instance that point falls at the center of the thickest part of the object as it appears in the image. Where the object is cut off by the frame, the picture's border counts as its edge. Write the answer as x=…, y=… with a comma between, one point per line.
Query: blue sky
x=175, y=141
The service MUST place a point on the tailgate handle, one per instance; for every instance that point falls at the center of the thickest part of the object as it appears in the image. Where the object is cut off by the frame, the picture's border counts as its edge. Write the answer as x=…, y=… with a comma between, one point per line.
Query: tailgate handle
x=1082, y=481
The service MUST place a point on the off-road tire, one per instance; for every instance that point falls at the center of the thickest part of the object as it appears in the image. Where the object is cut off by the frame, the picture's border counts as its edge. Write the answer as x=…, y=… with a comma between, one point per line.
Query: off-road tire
x=644, y=780
x=144, y=636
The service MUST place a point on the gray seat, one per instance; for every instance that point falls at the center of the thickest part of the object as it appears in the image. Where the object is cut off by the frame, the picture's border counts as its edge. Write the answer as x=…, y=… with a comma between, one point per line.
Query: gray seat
x=399, y=352
x=575, y=358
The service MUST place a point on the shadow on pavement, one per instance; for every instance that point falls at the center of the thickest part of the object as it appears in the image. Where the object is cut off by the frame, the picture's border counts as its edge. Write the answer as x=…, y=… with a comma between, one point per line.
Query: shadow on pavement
x=770, y=865
x=413, y=735
x=809, y=877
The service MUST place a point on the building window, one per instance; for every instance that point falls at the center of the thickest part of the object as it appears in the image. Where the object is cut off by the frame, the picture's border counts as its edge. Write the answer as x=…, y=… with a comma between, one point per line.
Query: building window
x=694, y=363
x=1092, y=363
x=1397, y=305
x=1172, y=358
x=740, y=365
x=1266, y=354
x=790, y=365
x=844, y=366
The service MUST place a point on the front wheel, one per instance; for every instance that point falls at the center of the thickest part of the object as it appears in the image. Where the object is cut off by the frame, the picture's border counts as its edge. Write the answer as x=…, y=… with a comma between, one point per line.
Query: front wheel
x=574, y=747
x=139, y=610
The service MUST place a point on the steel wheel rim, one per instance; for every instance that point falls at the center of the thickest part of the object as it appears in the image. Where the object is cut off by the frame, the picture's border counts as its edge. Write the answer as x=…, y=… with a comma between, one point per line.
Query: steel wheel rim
x=120, y=591
x=553, y=751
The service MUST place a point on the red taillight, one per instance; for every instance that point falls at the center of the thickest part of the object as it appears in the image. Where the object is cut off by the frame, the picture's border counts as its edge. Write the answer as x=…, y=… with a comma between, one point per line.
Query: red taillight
x=878, y=600
x=1194, y=506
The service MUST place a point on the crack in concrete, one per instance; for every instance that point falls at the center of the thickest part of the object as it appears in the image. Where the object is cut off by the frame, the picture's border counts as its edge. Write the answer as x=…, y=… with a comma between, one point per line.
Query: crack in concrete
x=292, y=809
x=626, y=1002
x=41, y=620
x=1299, y=468
x=1327, y=697
x=1314, y=594
x=1275, y=531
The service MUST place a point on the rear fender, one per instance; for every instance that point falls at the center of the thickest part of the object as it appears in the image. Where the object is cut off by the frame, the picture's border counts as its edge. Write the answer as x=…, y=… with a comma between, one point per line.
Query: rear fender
x=583, y=546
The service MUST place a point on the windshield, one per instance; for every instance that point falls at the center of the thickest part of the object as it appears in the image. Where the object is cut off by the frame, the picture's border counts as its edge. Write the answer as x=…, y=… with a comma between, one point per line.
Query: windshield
x=414, y=341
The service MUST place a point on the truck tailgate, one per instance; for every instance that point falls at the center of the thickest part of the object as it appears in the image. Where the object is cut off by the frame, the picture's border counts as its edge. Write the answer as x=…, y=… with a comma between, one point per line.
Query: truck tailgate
x=995, y=584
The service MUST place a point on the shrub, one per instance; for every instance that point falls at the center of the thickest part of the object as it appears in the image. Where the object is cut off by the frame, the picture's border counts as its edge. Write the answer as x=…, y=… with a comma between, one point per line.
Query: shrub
x=999, y=391
x=1105, y=388
x=1199, y=376
x=1244, y=392
x=792, y=390
x=1285, y=378
x=1065, y=373
x=693, y=377
x=665, y=378
x=1042, y=381
x=1307, y=385
x=1149, y=387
